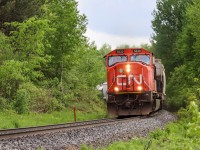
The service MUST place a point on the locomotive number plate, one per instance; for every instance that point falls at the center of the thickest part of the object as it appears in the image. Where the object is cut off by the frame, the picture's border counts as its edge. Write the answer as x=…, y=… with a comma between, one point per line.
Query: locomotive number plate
x=137, y=50
x=121, y=51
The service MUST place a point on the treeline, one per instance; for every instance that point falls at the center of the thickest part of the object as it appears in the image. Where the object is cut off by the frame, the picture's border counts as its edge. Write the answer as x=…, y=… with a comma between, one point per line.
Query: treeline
x=46, y=63
x=176, y=41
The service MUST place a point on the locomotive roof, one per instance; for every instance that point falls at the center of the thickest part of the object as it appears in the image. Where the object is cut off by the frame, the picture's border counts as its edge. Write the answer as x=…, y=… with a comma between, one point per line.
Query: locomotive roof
x=128, y=51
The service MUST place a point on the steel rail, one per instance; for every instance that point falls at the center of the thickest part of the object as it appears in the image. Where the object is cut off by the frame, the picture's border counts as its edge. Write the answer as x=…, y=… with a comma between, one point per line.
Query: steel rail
x=22, y=132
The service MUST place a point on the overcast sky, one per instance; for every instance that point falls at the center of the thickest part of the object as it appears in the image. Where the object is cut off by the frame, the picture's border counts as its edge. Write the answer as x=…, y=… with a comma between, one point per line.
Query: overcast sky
x=117, y=22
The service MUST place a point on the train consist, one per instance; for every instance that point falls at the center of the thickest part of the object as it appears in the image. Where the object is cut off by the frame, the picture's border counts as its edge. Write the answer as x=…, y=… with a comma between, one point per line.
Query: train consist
x=136, y=82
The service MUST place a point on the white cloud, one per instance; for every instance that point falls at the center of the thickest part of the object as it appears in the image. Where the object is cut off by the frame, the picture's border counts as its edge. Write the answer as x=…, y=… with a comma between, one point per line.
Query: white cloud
x=119, y=17
x=101, y=38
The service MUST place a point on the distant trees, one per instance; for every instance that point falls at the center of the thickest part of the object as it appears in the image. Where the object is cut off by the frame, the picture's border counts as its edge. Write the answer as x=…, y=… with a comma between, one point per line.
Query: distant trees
x=123, y=46
x=105, y=49
x=143, y=45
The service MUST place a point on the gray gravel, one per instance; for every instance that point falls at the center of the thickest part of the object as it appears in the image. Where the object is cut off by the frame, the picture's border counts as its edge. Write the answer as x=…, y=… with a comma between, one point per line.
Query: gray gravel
x=96, y=136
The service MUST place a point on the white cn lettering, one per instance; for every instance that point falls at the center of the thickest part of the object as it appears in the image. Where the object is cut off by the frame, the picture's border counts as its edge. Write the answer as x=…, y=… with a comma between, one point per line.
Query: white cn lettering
x=139, y=81
x=121, y=76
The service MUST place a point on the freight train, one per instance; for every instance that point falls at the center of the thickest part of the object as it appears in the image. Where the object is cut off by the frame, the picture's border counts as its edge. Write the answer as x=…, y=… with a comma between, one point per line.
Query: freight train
x=136, y=82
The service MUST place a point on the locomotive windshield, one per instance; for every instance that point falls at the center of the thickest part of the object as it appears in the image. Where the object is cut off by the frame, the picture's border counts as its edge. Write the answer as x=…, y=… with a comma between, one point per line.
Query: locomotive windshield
x=116, y=59
x=142, y=58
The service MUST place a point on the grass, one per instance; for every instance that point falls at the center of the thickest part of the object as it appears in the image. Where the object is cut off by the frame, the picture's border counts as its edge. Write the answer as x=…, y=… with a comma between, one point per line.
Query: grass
x=85, y=110
x=10, y=119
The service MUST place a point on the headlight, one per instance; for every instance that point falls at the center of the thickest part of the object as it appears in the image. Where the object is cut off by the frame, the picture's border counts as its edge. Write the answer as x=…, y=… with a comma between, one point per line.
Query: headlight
x=116, y=89
x=128, y=68
x=139, y=88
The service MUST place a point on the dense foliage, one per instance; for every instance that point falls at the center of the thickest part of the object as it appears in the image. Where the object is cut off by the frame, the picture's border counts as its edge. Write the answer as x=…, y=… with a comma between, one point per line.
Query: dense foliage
x=46, y=61
x=17, y=10
x=176, y=41
x=168, y=22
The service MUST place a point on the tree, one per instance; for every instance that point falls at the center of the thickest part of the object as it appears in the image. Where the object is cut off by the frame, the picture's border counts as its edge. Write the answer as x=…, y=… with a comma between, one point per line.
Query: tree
x=189, y=40
x=105, y=49
x=167, y=24
x=17, y=10
x=123, y=46
x=5, y=48
x=184, y=82
x=69, y=27
x=47, y=62
x=29, y=45
x=12, y=74
x=146, y=46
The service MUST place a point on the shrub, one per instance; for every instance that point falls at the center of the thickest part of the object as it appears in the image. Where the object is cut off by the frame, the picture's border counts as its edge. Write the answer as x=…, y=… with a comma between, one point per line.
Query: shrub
x=41, y=99
x=4, y=104
x=22, y=101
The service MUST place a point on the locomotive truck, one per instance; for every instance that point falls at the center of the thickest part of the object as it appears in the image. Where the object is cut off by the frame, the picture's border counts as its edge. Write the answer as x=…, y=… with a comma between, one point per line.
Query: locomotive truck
x=136, y=82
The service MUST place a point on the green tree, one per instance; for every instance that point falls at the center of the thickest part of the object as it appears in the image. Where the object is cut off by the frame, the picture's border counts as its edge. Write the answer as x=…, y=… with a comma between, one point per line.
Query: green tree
x=167, y=24
x=29, y=44
x=123, y=46
x=184, y=83
x=189, y=39
x=69, y=27
x=47, y=62
x=22, y=55
x=12, y=74
x=105, y=49
x=22, y=102
x=146, y=46
x=17, y=10
x=5, y=48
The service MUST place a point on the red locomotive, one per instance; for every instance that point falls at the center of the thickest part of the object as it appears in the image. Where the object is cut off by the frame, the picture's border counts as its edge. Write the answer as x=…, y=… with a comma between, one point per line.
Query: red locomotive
x=135, y=82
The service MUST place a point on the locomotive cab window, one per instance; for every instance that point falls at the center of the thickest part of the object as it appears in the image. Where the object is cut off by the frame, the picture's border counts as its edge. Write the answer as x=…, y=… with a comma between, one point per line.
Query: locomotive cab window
x=141, y=58
x=116, y=59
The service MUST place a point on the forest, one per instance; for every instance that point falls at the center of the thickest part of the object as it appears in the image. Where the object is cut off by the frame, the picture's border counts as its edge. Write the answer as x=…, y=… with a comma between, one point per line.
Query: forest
x=176, y=41
x=48, y=65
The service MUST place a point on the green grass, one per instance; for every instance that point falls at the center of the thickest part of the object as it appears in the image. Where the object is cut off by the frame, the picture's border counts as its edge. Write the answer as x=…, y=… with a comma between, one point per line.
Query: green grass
x=85, y=110
x=9, y=119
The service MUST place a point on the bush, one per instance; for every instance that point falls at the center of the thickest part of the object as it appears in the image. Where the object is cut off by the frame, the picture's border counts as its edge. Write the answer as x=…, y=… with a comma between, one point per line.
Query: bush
x=84, y=96
x=41, y=99
x=182, y=88
x=22, y=101
x=4, y=104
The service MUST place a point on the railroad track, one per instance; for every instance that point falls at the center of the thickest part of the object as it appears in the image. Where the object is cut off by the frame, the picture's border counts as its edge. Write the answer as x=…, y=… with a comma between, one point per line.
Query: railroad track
x=95, y=132
x=28, y=131
x=22, y=132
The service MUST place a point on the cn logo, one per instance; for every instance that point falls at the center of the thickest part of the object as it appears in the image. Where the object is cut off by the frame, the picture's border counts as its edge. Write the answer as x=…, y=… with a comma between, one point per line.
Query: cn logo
x=139, y=82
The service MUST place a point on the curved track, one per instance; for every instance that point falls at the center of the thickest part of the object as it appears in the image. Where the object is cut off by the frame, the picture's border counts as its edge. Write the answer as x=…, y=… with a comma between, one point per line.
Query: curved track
x=95, y=132
x=19, y=132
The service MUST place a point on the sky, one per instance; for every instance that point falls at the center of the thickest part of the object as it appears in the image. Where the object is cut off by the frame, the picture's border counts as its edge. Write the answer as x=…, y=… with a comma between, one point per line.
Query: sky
x=118, y=22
